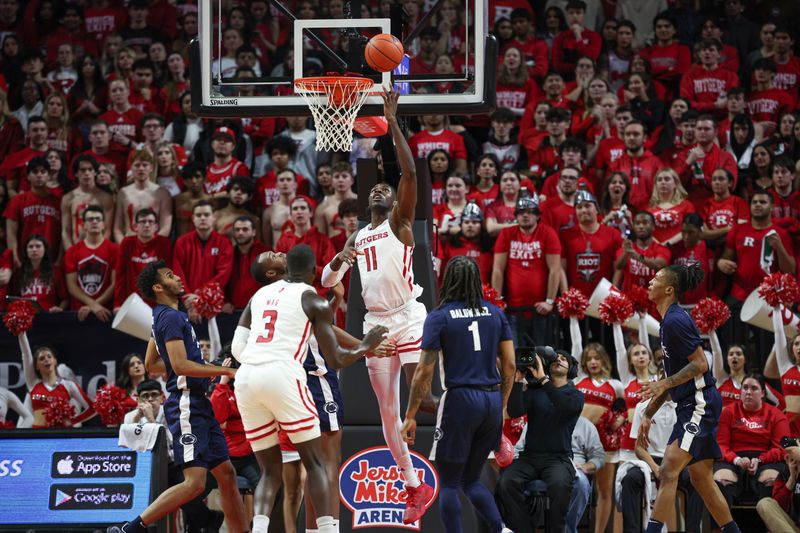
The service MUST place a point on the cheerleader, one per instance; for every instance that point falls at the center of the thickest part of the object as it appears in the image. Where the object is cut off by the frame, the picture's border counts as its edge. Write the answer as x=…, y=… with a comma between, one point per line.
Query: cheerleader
x=9, y=400
x=730, y=372
x=781, y=366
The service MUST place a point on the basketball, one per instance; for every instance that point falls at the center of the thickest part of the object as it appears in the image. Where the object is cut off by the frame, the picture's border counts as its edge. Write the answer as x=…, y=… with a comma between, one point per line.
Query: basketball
x=384, y=52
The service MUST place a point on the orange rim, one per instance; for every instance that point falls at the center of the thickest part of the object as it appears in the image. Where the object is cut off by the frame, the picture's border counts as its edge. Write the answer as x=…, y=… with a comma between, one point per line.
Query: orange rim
x=320, y=84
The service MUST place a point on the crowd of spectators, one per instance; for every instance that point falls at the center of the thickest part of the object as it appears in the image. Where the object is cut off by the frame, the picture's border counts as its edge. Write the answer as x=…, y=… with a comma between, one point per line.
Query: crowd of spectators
x=628, y=135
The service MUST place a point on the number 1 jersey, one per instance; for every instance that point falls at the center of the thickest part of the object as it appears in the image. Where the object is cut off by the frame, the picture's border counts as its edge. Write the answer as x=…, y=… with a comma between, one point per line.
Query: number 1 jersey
x=279, y=328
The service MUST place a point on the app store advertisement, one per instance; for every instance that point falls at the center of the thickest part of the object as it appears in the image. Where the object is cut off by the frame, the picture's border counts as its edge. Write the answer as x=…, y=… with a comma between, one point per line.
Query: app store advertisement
x=71, y=481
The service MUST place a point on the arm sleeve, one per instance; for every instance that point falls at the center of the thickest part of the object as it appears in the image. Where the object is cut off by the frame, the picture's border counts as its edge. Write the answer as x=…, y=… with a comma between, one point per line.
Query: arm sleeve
x=516, y=404
x=121, y=269
x=625, y=375
x=27, y=362
x=330, y=277
x=724, y=436
x=25, y=414
x=214, y=337
x=781, y=348
x=718, y=368
x=576, y=336
x=220, y=403
x=780, y=429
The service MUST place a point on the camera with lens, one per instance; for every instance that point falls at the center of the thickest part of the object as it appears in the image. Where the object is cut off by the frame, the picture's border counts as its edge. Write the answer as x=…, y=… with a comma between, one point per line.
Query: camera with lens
x=526, y=360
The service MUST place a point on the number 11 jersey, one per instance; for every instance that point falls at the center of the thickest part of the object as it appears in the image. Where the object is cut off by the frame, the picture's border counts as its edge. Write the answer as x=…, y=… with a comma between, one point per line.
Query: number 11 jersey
x=386, y=268
x=279, y=328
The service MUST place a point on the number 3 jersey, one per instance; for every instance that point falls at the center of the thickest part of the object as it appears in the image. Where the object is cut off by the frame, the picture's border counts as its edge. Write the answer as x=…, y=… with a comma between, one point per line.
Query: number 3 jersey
x=385, y=266
x=279, y=328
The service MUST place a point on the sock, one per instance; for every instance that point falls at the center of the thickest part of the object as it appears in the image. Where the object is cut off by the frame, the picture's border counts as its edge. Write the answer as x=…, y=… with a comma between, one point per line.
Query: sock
x=730, y=527
x=135, y=526
x=312, y=530
x=409, y=474
x=654, y=526
x=260, y=523
x=325, y=524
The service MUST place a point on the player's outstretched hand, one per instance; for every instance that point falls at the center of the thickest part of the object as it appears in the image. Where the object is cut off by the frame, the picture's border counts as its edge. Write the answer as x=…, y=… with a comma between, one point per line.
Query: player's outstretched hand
x=643, y=439
x=409, y=430
x=374, y=337
x=390, y=97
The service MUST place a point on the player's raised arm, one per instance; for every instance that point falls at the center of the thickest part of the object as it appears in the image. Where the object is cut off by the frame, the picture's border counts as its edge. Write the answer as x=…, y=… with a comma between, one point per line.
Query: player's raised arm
x=407, y=187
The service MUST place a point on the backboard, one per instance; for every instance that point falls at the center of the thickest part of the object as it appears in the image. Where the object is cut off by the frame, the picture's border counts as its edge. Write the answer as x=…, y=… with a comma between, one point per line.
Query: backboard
x=452, y=33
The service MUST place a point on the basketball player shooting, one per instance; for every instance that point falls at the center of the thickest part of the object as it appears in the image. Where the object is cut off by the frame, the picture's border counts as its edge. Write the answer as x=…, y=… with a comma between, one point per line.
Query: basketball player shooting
x=383, y=251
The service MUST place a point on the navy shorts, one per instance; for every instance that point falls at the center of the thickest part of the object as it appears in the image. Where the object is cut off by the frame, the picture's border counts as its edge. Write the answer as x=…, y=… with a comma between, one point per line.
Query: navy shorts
x=696, y=427
x=197, y=439
x=327, y=400
x=469, y=425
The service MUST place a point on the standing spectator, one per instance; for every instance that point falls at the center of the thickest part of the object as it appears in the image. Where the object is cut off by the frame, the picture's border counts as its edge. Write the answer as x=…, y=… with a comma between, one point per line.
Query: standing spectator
x=326, y=218
x=740, y=32
x=74, y=202
x=640, y=258
x=767, y=103
x=71, y=30
x=779, y=512
x=707, y=84
x=514, y=88
x=787, y=64
x=534, y=50
x=122, y=118
x=575, y=42
x=690, y=250
x=202, y=256
x=501, y=144
x=303, y=231
x=89, y=268
x=240, y=194
x=471, y=241
x=246, y=249
x=88, y=97
x=185, y=129
x=486, y=190
x=102, y=18
x=138, y=251
x=281, y=150
x=13, y=169
x=729, y=56
x=669, y=205
x=194, y=177
x=609, y=146
x=638, y=164
x=722, y=212
x=138, y=34
x=558, y=211
x=275, y=217
x=12, y=137
x=527, y=271
x=34, y=212
x=64, y=75
x=145, y=95
x=436, y=136
x=786, y=208
x=501, y=213
x=100, y=150
x=544, y=158
x=142, y=193
x=39, y=279
x=614, y=203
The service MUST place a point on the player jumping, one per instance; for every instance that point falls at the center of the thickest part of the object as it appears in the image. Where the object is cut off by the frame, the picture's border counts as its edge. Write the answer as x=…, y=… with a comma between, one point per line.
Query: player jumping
x=690, y=384
x=197, y=440
x=271, y=389
x=383, y=250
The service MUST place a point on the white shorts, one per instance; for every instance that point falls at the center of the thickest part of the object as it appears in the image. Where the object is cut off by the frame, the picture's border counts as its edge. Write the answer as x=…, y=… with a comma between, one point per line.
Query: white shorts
x=275, y=395
x=405, y=329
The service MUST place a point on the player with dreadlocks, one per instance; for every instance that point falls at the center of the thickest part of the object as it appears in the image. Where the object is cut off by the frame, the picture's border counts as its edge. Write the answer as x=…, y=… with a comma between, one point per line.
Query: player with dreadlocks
x=691, y=385
x=470, y=333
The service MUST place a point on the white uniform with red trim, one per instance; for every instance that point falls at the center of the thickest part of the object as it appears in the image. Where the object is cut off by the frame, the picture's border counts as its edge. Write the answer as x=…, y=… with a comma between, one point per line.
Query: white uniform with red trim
x=271, y=386
x=389, y=292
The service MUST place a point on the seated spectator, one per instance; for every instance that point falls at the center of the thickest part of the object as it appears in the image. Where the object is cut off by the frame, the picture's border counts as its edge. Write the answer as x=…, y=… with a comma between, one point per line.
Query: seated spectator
x=89, y=267
x=576, y=41
x=502, y=145
x=303, y=231
x=326, y=217
x=142, y=193
x=640, y=256
x=779, y=511
x=246, y=249
x=240, y=194
x=87, y=193
x=100, y=149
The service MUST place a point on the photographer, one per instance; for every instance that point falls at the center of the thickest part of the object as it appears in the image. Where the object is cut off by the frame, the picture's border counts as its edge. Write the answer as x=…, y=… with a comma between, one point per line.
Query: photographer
x=553, y=406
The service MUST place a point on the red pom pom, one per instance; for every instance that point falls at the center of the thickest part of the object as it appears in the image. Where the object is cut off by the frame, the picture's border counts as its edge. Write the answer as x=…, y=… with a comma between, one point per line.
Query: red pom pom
x=7, y=424
x=779, y=289
x=58, y=413
x=639, y=299
x=209, y=300
x=572, y=304
x=493, y=296
x=616, y=309
x=109, y=404
x=19, y=317
x=611, y=438
x=710, y=314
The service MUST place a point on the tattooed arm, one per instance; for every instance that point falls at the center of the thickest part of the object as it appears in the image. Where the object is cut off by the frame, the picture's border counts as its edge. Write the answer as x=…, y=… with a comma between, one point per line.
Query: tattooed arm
x=655, y=404
x=697, y=366
x=420, y=389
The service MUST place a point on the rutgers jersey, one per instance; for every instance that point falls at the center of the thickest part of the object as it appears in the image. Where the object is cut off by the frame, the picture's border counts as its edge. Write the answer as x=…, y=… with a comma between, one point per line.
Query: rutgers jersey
x=385, y=265
x=280, y=329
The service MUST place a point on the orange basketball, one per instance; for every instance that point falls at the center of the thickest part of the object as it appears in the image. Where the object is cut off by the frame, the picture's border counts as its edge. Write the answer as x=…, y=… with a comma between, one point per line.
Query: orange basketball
x=384, y=52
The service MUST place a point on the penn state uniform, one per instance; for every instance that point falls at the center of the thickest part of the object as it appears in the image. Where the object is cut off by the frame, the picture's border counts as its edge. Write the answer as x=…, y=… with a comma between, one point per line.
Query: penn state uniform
x=197, y=439
x=699, y=403
x=271, y=388
x=323, y=382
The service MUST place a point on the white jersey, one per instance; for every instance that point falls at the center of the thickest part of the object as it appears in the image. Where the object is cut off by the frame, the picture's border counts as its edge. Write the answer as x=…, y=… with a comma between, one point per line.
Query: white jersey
x=279, y=328
x=385, y=267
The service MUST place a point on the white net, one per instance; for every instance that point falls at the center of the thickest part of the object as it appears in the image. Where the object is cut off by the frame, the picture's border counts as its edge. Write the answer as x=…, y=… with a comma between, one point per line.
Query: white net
x=334, y=104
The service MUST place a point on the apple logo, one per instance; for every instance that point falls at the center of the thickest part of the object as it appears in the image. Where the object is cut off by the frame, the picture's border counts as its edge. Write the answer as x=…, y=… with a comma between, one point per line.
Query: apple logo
x=64, y=466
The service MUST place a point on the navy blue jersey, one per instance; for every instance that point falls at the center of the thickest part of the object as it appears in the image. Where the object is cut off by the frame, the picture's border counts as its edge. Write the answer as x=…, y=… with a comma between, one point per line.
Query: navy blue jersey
x=468, y=339
x=169, y=324
x=679, y=339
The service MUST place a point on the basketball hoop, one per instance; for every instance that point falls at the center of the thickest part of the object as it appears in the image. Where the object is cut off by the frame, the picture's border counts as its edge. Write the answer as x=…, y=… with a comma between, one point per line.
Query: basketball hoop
x=334, y=102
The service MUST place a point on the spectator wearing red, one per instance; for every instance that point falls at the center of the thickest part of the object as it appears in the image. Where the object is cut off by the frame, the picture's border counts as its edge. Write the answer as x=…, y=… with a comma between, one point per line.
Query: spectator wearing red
x=163, y=16
x=138, y=251
x=705, y=85
x=301, y=212
x=641, y=257
x=615, y=61
x=737, y=105
x=527, y=271
x=38, y=279
x=102, y=19
x=638, y=164
x=576, y=91
x=558, y=211
x=447, y=216
x=436, y=136
x=533, y=125
x=425, y=60
x=669, y=60
x=589, y=248
x=487, y=189
x=224, y=166
x=669, y=205
x=573, y=154
x=501, y=213
x=614, y=204
x=12, y=136
x=13, y=169
x=122, y=118
x=766, y=103
x=37, y=211
x=544, y=158
x=690, y=250
x=140, y=194
x=100, y=149
x=471, y=241
x=281, y=151
x=202, y=256
x=499, y=9
x=576, y=41
x=610, y=147
x=702, y=160
x=71, y=30
x=723, y=211
x=786, y=206
x=678, y=149
x=64, y=75
x=534, y=50
x=246, y=250
x=87, y=193
x=749, y=436
x=145, y=95
x=787, y=64
x=89, y=268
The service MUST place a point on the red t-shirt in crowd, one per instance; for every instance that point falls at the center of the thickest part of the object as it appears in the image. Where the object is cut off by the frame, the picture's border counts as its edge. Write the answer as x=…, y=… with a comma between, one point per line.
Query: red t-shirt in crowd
x=754, y=431
x=243, y=285
x=197, y=262
x=534, y=55
x=567, y=50
x=785, y=207
x=267, y=192
x=14, y=167
x=745, y=241
x=786, y=78
x=501, y=212
x=102, y=21
x=36, y=214
x=484, y=199
x=702, y=87
x=93, y=267
x=218, y=176
x=609, y=150
x=700, y=189
x=468, y=248
x=133, y=256
x=641, y=172
x=769, y=106
x=724, y=213
x=682, y=255
x=526, y=269
x=425, y=142
x=669, y=220
x=667, y=63
x=126, y=123
x=319, y=243
x=557, y=214
x=516, y=97
x=226, y=411
x=589, y=256
x=636, y=273
x=47, y=294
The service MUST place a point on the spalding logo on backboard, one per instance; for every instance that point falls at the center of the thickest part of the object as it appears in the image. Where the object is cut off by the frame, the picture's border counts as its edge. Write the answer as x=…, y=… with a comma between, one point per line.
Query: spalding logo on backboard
x=372, y=487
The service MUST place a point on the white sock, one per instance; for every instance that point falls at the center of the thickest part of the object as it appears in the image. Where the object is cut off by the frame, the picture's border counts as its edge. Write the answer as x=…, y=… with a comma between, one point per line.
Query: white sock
x=260, y=523
x=409, y=473
x=326, y=524
x=312, y=530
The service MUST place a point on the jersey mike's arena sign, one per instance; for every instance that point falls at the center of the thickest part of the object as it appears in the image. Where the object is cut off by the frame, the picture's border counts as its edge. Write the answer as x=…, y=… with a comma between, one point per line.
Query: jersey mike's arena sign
x=372, y=487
